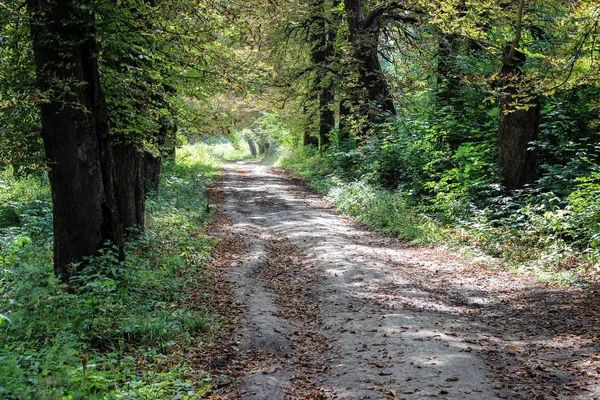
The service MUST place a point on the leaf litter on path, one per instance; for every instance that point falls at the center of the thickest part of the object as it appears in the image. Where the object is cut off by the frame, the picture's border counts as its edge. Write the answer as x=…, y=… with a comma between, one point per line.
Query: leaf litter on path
x=356, y=315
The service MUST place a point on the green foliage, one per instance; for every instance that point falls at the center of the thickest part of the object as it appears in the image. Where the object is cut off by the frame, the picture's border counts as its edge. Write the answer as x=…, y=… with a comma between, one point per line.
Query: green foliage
x=20, y=143
x=269, y=130
x=234, y=147
x=432, y=176
x=582, y=212
x=25, y=203
x=377, y=208
x=308, y=163
x=568, y=143
x=127, y=318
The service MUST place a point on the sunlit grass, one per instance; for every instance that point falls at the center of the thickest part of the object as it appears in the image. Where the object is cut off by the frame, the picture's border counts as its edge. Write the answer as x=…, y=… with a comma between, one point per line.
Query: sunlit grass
x=228, y=152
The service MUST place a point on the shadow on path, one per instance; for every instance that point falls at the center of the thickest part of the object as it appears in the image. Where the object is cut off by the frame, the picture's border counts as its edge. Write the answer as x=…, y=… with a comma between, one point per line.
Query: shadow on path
x=342, y=312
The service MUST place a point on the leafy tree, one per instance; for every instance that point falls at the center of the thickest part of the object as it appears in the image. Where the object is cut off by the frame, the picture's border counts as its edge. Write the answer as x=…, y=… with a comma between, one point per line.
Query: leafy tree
x=20, y=143
x=108, y=75
x=75, y=131
x=323, y=30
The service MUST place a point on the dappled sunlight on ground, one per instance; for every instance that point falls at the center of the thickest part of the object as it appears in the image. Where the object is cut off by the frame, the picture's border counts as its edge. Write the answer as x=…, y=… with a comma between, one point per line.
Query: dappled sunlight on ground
x=360, y=315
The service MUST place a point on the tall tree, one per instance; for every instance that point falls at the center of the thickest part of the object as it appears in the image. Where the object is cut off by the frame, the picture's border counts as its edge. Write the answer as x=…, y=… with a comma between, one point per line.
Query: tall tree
x=371, y=96
x=323, y=33
x=519, y=116
x=75, y=131
x=518, y=124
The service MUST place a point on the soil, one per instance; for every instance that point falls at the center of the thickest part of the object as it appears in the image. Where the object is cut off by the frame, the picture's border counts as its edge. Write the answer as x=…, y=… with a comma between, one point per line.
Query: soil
x=316, y=306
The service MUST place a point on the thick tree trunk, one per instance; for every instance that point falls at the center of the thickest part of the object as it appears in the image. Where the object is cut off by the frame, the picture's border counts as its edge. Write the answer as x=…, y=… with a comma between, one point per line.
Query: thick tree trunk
x=75, y=133
x=322, y=37
x=165, y=140
x=151, y=172
x=131, y=193
x=519, y=122
x=152, y=162
x=372, y=97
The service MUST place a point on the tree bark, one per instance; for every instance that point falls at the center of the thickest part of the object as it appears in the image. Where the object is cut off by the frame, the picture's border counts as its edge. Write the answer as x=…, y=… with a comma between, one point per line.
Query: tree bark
x=322, y=37
x=152, y=162
x=372, y=97
x=252, y=147
x=131, y=193
x=309, y=140
x=448, y=80
x=519, y=122
x=151, y=172
x=75, y=133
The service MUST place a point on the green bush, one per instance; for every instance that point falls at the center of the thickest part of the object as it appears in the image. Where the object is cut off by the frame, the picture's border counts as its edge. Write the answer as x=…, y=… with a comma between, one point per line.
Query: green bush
x=432, y=176
x=126, y=318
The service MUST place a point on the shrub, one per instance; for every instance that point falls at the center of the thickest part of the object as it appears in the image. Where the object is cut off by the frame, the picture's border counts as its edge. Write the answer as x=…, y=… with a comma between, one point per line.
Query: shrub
x=114, y=336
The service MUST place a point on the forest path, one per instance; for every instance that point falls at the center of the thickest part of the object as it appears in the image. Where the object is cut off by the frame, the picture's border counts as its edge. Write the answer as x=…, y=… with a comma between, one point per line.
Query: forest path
x=323, y=308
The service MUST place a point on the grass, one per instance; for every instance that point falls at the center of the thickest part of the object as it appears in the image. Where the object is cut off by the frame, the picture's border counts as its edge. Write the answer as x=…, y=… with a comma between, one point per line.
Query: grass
x=229, y=152
x=120, y=335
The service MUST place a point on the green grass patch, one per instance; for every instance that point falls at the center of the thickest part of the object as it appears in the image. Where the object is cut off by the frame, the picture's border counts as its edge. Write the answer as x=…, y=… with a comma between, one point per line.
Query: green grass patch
x=126, y=320
x=229, y=151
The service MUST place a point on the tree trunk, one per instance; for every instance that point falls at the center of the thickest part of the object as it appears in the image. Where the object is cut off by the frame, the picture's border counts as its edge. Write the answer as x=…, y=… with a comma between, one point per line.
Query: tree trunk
x=131, y=193
x=322, y=37
x=75, y=133
x=448, y=80
x=309, y=140
x=252, y=147
x=519, y=122
x=151, y=172
x=152, y=162
x=372, y=97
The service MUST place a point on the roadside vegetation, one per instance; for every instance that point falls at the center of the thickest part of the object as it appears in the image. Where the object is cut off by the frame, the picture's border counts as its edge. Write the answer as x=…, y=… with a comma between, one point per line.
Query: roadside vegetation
x=455, y=197
x=120, y=332
x=413, y=184
x=467, y=123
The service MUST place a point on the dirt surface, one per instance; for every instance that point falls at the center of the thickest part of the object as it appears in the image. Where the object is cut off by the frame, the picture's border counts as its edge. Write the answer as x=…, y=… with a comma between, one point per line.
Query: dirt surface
x=317, y=307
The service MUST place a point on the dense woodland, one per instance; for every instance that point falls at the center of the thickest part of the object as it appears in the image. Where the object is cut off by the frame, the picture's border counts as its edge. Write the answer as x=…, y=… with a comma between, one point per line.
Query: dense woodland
x=470, y=122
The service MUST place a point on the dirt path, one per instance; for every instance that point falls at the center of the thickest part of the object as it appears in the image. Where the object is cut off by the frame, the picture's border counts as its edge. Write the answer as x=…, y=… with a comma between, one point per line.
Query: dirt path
x=320, y=308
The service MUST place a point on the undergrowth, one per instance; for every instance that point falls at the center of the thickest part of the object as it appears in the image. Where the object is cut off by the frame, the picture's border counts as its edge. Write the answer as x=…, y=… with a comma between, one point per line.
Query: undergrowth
x=120, y=335
x=556, y=239
x=230, y=150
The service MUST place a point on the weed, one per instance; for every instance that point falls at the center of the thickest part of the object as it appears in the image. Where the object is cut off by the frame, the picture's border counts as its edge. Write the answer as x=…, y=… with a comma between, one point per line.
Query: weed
x=114, y=336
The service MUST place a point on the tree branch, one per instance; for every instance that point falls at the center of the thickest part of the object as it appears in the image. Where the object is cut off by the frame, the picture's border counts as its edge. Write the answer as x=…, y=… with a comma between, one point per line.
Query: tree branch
x=515, y=43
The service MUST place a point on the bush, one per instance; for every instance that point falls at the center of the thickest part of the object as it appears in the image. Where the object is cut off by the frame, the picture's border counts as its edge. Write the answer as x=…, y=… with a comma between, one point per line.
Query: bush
x=115, y=336
x=433, y=176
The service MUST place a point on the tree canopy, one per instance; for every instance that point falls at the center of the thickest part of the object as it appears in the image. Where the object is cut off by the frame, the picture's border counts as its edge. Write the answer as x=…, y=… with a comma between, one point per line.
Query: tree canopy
x=456, y=103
